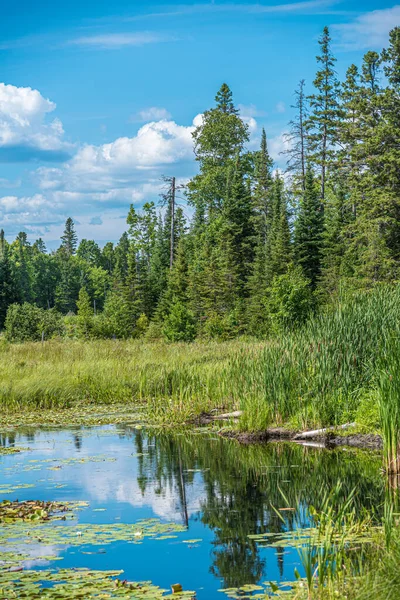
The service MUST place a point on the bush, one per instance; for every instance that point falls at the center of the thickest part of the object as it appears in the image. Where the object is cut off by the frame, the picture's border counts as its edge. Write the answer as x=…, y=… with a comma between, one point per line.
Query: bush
x=220, y=327
x=116, y=319
x=142, y=325
x=179, y=324
x=290, y=300
x=27, y=322
x=154, y=331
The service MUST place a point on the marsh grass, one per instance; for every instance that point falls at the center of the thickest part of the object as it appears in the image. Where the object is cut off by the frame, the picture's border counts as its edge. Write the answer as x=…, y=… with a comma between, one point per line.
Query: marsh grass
x=318, y=375
x=389, y=403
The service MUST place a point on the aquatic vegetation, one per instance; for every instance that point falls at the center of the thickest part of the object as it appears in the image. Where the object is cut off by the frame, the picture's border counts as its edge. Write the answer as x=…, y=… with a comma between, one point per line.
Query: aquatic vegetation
x=215, y=496
x=11, y=488
x=17, y=533
x=71, y=584
x=389, y=403
x=36, y=510
x=6, y=450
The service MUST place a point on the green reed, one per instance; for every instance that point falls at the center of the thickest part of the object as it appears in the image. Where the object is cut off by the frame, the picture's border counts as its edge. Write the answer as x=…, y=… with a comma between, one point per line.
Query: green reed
x=316, y=375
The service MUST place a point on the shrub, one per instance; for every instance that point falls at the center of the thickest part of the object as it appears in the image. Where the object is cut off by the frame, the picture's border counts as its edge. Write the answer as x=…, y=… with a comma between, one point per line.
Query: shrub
x=154, y=331
x=27, y=322
x=141, y=325
x=290, y=300
x=179, y=324
x=220, y=327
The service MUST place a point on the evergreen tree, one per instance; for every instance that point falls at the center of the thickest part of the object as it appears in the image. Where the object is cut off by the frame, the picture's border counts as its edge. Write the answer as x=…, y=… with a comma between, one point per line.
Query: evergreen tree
x=297, y=139
x=325, y=111
x=309, y=230
x=69, y=240
x=108, y=258
x=262, y=202
x=279, y=250
x=8, y=292
x=217, y=142
x=22, y=267
x=85, y=314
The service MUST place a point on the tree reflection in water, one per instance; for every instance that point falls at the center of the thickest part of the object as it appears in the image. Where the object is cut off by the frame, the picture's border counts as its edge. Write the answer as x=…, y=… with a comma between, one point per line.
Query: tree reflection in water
x=241, y=484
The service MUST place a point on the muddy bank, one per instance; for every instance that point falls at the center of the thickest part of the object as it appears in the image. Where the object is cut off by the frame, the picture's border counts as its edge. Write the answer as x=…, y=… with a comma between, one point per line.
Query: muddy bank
x=329, y=440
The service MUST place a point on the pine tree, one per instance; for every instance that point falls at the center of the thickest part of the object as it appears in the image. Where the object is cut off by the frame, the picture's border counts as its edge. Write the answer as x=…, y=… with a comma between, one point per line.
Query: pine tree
x=309, y=231
x=325, y=111
x=263, y=218
x=121, y=258
x=21, y=256
x=297, y=139
x=217, y=142
x=108, y=258
x=69, y=240
x=279, y=249
x=262, y=204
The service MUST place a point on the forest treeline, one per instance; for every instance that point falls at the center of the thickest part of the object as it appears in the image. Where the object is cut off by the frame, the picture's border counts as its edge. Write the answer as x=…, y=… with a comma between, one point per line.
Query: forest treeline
x=262, y=249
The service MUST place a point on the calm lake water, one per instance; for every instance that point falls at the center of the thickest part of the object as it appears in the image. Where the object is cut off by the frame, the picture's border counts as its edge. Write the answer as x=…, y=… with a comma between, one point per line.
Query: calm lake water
x=218, y=491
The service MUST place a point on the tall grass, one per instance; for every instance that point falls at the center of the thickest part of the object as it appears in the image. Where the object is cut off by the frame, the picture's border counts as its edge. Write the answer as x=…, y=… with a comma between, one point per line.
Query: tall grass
x=389, y=403
x=317, y=375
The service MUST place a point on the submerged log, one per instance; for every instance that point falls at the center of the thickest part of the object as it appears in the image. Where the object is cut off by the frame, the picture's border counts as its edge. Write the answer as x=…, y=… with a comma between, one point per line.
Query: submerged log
x=318, y=432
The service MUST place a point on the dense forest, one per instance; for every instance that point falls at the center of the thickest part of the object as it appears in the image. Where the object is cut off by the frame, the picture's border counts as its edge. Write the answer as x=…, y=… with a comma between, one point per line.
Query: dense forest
x=262, y=250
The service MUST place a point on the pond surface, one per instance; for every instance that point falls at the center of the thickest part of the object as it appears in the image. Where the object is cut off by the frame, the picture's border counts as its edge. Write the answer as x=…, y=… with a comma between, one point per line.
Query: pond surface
x=215, y=493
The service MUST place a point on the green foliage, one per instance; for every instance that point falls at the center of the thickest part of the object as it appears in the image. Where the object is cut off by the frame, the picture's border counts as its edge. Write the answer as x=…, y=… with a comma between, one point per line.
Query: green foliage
x=290, y=300
x=27, y=322
x=309, y=230
x=85, y=314
x=220, y=327
x=234, y=269
x=142, y=325
x=179, y=325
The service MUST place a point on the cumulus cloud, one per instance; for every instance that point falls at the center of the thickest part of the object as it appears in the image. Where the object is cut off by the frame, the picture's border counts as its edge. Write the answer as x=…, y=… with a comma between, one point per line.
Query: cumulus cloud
x=369, y=30
x=25, y=133
x=129, y=168
x=277, y=145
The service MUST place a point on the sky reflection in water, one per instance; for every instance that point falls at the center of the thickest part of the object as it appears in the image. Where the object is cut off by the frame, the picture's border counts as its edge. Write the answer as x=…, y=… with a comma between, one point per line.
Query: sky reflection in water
x=221, y=491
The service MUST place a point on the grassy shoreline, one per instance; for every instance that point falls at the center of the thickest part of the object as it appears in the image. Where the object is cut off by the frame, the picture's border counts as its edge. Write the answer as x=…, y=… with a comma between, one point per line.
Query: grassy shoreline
x=341, y=366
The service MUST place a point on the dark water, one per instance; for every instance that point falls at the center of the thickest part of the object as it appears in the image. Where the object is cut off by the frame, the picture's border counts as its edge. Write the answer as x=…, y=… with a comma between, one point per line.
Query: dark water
x=221, y=492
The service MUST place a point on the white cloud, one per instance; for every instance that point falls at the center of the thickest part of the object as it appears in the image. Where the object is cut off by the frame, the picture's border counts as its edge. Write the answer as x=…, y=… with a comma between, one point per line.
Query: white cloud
x=110, y=41
x=306, y=7
x=277, y=145
x=369, y=30
x=127, y=168
x=280, y=107
x=250, y=110
x=13, y=204
x=153, y=113
x=23, y=125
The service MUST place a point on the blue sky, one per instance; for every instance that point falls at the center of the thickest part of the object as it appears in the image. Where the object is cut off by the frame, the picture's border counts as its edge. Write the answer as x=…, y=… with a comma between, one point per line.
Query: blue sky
x=98, y=99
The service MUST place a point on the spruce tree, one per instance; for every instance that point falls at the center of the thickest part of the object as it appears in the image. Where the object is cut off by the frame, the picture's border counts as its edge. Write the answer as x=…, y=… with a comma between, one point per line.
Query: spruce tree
x=325, y=111
x=262, y=201
x=69, y=239
x=297, y=139
x=279, y=248
x=309, y=230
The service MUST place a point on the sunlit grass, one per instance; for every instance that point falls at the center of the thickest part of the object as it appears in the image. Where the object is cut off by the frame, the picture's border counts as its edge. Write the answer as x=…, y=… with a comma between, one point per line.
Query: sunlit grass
x=319, y=375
